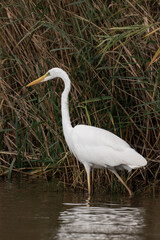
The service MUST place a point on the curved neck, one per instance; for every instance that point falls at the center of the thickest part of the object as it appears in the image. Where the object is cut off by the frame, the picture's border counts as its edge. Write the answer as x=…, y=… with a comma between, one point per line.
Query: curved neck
x=66, y=123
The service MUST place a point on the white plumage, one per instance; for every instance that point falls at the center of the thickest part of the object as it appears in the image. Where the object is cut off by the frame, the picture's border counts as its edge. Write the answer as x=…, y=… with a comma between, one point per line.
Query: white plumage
x=92, y=146
x=101, y=148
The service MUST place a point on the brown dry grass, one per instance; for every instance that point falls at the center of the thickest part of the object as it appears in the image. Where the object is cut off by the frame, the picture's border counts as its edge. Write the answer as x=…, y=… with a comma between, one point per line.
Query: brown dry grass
x=111, y=52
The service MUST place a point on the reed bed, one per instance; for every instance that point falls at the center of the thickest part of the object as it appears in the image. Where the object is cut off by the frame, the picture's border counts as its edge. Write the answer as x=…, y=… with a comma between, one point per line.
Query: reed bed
x=110, y=49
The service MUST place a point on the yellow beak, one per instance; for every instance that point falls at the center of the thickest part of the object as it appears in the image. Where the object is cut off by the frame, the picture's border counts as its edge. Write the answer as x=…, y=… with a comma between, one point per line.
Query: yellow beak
x=37, y=80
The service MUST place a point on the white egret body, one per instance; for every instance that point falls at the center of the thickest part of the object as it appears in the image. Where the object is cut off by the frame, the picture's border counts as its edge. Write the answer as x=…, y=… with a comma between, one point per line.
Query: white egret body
x=92, y=146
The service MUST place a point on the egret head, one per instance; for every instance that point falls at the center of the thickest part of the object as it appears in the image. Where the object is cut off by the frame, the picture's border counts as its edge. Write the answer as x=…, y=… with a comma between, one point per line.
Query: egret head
x=51, y=74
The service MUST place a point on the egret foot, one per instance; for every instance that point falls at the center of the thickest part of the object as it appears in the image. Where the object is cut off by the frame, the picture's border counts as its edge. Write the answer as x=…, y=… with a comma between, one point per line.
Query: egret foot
x=124, y=184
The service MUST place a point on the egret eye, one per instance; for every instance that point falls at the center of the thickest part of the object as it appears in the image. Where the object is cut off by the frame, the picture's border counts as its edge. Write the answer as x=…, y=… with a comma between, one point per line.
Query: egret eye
x=48, y=74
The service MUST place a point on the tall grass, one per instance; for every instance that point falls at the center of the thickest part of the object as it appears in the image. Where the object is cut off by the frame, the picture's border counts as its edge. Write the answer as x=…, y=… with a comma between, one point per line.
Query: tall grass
x=110, y=50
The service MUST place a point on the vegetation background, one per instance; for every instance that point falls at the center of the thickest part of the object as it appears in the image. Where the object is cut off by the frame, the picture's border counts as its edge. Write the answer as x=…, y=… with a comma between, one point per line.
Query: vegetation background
x=110, y=49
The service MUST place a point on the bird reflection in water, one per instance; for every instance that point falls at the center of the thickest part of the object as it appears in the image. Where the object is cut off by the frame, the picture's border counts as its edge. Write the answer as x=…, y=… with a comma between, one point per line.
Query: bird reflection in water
x=110, y=221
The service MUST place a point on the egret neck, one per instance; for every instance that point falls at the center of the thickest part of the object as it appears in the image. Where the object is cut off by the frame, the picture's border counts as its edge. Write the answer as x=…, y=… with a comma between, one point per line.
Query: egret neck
x=66, y=122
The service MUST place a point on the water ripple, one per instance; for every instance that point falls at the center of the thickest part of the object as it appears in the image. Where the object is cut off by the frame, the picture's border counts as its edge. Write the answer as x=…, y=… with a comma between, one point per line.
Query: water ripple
x=82, y=222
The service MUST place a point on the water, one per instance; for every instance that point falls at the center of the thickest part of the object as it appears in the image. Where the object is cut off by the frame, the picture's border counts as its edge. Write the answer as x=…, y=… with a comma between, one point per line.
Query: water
x=36, y=211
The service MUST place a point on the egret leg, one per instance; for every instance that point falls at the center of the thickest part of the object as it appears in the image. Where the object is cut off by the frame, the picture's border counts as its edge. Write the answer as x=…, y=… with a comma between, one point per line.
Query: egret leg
x=89, y=183
x=87, y=167
x=121, y=180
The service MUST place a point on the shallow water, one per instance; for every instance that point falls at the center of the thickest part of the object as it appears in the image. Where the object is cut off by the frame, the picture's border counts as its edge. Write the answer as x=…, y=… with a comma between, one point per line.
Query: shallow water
x=35, y=210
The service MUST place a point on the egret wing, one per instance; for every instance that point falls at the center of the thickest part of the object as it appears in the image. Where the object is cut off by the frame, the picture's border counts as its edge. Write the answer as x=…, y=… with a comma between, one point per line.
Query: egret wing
x=101, y=148
x=93, y=136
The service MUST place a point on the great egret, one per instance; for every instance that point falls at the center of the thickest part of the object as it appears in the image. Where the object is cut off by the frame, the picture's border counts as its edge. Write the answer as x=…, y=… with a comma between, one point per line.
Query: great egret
x=92, y=146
